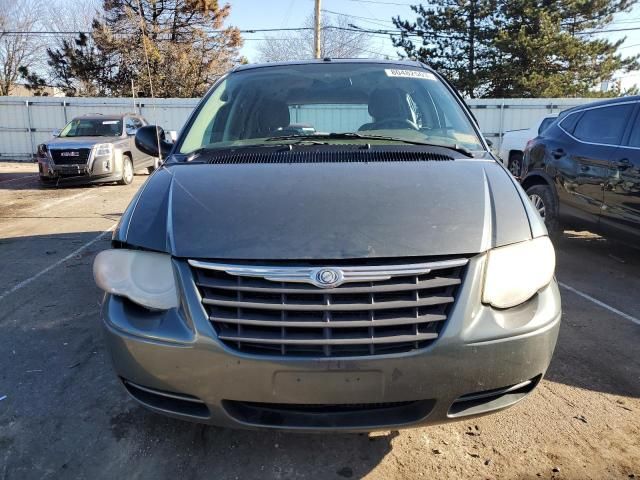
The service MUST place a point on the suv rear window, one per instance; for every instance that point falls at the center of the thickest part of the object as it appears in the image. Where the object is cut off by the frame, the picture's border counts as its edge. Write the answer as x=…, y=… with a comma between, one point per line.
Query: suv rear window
x=604, y=125
x=569, y=123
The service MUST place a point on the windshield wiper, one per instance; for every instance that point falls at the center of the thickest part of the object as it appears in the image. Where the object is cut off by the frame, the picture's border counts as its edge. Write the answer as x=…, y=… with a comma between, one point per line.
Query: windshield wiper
x=350, y=135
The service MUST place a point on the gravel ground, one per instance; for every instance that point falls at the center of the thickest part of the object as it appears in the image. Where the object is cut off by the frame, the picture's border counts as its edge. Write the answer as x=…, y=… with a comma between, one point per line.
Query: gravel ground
x=63, y=415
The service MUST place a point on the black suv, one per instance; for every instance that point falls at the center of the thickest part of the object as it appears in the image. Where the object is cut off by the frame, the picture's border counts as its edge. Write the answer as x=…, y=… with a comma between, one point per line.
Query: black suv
x=585, y=168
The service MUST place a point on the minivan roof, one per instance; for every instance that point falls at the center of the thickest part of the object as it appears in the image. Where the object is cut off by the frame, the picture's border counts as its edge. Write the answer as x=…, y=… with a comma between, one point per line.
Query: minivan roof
x=405, y=63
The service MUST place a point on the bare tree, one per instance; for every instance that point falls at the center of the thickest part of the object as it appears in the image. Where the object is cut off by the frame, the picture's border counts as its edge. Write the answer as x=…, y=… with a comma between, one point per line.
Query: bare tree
x=60, y=19
x=338, y=40
x=19, y=49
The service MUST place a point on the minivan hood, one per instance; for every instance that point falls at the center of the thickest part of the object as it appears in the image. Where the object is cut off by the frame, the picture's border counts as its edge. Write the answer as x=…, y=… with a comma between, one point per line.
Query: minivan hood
x=325, y=211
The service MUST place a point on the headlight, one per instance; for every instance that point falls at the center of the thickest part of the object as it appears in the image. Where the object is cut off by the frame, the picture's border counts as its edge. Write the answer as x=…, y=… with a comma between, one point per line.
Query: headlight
x=103, y=149
x=42, y=149
x=516, y=272
x=145, y=278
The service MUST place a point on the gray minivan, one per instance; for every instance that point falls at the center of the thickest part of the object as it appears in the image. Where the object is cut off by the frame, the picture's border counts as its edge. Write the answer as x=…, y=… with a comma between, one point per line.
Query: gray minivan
x=382, y=271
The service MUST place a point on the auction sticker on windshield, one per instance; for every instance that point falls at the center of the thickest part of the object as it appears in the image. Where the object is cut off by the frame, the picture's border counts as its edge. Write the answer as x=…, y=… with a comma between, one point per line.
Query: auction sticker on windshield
x=394, y=72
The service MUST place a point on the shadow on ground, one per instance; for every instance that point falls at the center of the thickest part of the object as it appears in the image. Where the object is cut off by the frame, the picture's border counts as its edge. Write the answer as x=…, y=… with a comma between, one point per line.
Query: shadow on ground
x=597, y=348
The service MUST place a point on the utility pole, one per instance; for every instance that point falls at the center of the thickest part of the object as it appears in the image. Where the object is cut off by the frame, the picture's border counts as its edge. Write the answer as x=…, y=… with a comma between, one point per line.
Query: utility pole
x=472, y=46
x=316, y=43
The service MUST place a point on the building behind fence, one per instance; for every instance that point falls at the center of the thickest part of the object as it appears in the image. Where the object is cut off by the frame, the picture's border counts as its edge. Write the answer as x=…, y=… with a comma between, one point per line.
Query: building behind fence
x=27, y=121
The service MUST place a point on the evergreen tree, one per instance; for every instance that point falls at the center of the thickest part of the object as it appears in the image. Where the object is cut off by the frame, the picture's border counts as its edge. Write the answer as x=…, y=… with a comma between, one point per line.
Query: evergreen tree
x=543, y=52
x=527, y=48
x=456, y=39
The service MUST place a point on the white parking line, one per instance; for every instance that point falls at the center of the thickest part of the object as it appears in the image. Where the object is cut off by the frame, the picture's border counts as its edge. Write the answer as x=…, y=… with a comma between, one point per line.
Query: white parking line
x=26, y=282
x=597, y=302
x=44, y=206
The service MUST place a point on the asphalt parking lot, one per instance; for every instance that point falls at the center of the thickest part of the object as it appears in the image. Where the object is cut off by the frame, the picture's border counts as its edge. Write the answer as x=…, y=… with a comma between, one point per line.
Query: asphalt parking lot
x=63, y=414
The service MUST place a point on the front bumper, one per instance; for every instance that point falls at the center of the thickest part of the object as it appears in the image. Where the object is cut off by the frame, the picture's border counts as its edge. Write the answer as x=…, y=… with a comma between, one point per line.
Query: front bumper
x=484, y=360
x=95, y=170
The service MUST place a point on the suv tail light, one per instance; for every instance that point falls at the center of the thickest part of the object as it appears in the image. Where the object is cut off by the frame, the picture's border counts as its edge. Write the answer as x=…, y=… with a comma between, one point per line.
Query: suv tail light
x=529, y=144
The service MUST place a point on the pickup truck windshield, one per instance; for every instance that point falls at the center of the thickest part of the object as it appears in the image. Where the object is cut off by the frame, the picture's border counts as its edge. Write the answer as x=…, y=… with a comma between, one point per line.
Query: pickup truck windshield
x=302, y=101
x=90, y=127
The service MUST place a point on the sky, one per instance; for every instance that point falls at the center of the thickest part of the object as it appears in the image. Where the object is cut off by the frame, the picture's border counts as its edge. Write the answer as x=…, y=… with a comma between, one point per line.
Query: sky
x=292, y=13
x=372, y=14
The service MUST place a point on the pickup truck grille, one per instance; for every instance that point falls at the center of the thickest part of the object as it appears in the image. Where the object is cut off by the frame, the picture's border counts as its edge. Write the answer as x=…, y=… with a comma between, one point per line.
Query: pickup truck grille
x=278, y=310
x=70, y=156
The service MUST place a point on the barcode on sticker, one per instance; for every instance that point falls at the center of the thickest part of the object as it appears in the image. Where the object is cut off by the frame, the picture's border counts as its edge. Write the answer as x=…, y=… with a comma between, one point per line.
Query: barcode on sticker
x=395, y=72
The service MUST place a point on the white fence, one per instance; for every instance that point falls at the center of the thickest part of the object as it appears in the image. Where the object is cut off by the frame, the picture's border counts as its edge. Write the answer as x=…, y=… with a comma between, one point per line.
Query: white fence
x=27, y=121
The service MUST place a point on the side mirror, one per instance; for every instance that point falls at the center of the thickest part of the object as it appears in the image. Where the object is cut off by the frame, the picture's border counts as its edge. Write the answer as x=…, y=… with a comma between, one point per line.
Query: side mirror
x=149, y=138
x=56, y=132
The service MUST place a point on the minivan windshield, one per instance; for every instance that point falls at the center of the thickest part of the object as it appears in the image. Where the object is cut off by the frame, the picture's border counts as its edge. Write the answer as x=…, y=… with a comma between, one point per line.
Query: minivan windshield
x=92, y=127
x=296, y=103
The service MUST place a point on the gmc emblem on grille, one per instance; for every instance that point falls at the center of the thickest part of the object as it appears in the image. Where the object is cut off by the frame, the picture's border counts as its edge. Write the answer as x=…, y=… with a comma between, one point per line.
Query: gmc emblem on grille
x=69, y=154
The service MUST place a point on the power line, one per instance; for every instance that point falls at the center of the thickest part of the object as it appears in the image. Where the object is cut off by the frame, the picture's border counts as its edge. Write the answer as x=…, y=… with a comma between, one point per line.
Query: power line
x=352, y=28
x=356, y=16
x=383, y=3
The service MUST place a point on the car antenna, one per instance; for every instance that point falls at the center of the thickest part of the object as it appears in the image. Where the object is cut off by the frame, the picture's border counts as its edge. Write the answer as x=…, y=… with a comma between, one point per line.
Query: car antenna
x=146, y=56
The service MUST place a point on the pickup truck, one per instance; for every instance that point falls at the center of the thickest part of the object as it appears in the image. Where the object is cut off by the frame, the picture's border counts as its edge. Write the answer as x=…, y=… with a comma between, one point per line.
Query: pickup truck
x=514, y=142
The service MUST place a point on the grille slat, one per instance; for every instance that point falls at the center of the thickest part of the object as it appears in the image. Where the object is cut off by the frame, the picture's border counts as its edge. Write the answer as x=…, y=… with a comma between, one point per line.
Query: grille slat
x=332, y=341
x=302, y=288
x=341, y=324
x=404, y=310
x=341, y=307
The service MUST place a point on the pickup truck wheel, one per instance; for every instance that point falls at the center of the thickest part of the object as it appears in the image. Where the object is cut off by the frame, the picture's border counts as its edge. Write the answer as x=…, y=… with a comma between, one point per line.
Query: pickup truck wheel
x=515, y=163
x=544, y=202
x=127, y=171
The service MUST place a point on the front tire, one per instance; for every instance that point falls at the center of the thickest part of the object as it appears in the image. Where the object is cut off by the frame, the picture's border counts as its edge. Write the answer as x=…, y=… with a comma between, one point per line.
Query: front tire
x=544, y=202
x=127, y=171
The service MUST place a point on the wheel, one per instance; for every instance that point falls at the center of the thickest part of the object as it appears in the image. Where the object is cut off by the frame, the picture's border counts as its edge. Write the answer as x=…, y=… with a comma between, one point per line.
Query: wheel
x=544, y=202
x=515, y=163
x=127, y=171
x=156, y=165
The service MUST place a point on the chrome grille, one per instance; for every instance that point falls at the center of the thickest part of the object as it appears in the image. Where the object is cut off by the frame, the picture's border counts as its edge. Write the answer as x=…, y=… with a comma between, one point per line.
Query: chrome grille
x=279, y=310
x=70, y=156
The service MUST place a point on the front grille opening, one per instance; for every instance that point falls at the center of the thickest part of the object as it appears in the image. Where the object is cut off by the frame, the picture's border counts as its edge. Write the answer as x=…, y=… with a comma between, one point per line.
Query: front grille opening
x=175, y=403
x=343, y=416
x=489, y=400
x=78, y=156
x=393, y=315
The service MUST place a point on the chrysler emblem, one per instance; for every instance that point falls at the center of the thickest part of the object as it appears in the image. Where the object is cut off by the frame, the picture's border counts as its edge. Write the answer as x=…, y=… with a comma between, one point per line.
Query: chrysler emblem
x=327, y=277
